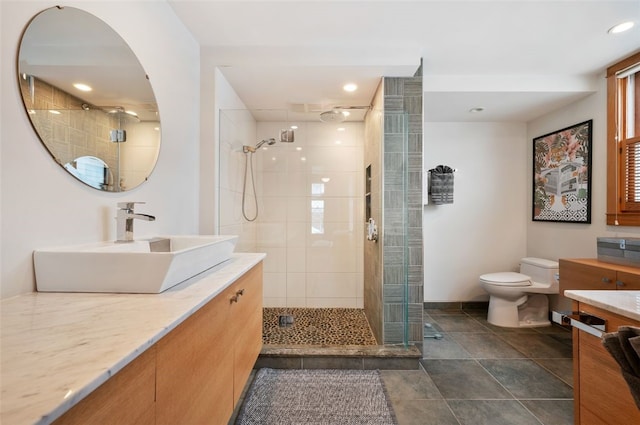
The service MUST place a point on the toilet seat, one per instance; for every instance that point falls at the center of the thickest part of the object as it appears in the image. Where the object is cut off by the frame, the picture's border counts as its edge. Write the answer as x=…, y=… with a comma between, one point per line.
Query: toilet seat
x=506, y=279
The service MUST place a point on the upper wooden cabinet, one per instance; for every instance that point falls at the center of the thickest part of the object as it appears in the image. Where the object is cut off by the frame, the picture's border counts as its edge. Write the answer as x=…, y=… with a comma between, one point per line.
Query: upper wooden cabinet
x=590, y=273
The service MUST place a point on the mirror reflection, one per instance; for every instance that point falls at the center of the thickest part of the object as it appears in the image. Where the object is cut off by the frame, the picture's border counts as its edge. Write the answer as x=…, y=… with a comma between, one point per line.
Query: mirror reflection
x=89, y=99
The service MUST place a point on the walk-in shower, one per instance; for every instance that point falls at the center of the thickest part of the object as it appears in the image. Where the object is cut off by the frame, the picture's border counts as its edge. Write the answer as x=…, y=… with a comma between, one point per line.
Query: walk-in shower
x=286, y=136
x=311, y=225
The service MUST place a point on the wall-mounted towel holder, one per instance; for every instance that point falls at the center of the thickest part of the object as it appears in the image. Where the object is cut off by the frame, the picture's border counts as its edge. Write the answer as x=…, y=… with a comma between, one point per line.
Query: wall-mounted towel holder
x=441, y=184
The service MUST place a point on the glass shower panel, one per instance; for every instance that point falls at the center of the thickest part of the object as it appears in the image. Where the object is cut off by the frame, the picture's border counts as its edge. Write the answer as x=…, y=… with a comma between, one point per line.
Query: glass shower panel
x=310, y=207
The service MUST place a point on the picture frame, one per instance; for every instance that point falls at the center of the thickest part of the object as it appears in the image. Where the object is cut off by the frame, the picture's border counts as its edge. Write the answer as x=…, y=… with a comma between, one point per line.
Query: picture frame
x=562, y=175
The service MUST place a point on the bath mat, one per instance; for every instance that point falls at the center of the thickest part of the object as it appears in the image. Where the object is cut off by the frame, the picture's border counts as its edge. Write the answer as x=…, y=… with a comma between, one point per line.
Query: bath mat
x=316, y=397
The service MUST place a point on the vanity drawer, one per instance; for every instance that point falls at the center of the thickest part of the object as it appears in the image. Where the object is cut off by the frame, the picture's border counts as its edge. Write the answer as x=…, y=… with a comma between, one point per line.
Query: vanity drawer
x=575, y=275
x=601, y=394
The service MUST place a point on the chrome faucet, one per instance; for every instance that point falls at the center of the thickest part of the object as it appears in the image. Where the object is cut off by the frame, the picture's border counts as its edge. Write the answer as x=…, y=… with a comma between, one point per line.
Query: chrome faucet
x=125, y=218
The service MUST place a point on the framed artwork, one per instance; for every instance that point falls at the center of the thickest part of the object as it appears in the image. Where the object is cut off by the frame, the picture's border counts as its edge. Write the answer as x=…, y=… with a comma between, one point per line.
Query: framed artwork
x=562, y=175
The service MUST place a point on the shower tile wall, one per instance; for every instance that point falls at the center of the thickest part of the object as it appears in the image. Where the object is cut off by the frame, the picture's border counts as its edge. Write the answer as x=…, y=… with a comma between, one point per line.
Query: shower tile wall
x=310, y=222
x=311, y=215
x=402, y=217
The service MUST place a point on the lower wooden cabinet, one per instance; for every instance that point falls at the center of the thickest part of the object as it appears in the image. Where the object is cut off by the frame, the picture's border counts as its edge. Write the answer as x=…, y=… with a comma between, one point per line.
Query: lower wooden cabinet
x=601, y=395
x=127, y=398
x=245, y=327
x=185, y=362
x=194, y=375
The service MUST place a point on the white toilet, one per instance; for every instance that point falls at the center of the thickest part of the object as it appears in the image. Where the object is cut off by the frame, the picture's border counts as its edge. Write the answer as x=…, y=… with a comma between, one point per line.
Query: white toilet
x=517, y=300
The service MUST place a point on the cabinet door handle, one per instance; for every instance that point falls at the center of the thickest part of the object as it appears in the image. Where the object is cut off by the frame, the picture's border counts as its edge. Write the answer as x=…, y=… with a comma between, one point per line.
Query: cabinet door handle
x=606, y=280
x=234, y=299
x=619, y=283
x=240, y=292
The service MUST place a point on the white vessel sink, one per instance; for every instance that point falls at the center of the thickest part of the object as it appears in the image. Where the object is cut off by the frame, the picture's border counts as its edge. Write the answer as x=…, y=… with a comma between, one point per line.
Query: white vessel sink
x=143, y=266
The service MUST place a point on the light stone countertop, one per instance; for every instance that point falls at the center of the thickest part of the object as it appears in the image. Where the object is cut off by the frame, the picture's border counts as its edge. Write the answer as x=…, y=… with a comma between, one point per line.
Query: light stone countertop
x=624, y=303
x=56, y=348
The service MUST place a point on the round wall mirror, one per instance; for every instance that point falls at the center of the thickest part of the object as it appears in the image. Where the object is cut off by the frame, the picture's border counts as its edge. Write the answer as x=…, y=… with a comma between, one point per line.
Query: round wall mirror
x=89, y=99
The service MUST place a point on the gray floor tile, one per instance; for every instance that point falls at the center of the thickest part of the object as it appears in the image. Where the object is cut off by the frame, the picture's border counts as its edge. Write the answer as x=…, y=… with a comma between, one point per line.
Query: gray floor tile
x=464, y=379
x=485, y=345
x=563, y=337
x=423, y=412
x=538, y=346
x=562, y=368
x=526, y=379
x=453, y=323
x=482, y=319
x=491, y=412
x=409, y=385
x=434, y=325
x=554, y=329
x=551, y=412
x=444, y=348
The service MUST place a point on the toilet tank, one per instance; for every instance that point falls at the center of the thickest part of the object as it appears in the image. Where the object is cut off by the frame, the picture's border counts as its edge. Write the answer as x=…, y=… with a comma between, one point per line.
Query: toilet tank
x=540, y=270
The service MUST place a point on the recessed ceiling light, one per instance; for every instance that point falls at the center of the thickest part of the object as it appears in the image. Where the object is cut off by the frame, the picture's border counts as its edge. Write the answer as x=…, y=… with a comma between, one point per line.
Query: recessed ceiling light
x=326, y=179
x=477, y=109
x=350, y=87
x=340, y=129
x=621, y=27
x=294, y=127
x=54, y=112
x=346, y=113
x=338, y=142
x=82, y=87
x=298, y=148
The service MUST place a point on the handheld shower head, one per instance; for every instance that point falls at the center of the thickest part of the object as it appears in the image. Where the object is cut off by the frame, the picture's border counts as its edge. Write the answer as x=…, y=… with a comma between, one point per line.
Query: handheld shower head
x=286, y=136
x=262, y=142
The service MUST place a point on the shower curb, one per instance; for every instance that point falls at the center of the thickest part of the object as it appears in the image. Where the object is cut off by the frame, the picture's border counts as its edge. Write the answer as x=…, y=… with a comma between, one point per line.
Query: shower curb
x=364, y=357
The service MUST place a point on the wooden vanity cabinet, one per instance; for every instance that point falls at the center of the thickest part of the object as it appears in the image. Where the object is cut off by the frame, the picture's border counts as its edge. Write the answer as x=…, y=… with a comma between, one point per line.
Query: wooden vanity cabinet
x=203, y=365
x=592, y=274
x=245, y=327
x=196, y=356
x=601, y=395
x=193, y=375
x=127, y=398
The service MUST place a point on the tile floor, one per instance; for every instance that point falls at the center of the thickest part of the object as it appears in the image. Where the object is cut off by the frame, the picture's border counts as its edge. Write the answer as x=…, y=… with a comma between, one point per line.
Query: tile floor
x=482, y=374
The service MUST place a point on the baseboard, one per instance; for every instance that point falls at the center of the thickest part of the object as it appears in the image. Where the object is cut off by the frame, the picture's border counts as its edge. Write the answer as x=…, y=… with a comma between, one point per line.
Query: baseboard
x=457, y=305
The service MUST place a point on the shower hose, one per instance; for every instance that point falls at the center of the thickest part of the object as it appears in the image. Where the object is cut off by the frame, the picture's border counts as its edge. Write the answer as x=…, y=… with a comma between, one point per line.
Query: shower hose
x=248, y=167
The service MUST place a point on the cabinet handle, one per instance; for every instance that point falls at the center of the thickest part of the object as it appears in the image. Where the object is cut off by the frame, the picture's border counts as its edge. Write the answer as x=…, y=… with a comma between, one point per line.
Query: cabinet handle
x=619, y=283
x=606, y=280
x=240, y=291
x=234, y=299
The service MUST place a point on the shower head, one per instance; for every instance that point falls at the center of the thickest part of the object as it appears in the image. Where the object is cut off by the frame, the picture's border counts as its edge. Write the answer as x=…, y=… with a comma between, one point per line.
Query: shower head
x=286, y=136
x=334, y=115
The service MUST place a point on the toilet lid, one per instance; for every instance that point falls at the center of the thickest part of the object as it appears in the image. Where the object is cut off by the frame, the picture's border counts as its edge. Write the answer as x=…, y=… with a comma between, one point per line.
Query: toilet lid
x=506, y=279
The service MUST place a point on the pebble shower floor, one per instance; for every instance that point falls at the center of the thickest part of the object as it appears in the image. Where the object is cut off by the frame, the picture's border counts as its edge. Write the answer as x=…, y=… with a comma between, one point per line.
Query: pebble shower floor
x=317, y=326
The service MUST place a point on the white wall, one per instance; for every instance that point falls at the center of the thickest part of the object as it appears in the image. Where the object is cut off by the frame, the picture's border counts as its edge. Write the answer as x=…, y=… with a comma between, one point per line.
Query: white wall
x=570, y=240
x=484, y=230
x=575, y=240
x=237, y=128
x=42, y=205
x=217, y=96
